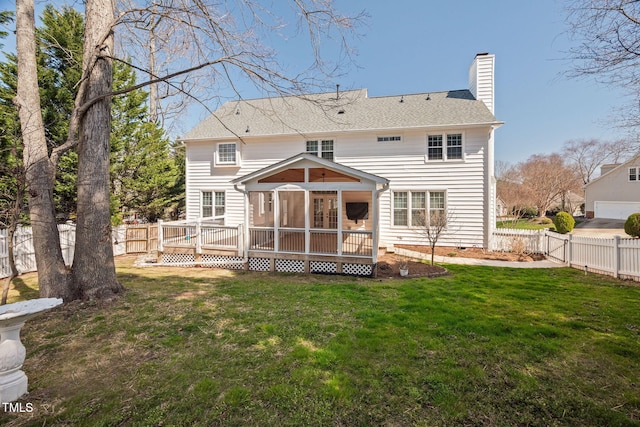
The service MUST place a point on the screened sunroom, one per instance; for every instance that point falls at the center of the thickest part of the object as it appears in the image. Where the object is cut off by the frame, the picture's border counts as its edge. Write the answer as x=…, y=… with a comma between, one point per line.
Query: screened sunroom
x=312, y=214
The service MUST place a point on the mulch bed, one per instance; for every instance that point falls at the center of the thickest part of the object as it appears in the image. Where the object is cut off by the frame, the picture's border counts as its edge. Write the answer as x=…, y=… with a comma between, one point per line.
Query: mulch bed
x=389, y=266
x=474, y=253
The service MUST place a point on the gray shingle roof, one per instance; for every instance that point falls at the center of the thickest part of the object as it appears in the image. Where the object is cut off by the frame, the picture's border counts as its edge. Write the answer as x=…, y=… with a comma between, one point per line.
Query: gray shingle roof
x=352, y=111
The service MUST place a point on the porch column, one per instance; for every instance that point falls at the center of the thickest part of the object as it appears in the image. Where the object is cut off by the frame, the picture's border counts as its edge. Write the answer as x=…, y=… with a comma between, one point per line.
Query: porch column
x=246, y=238
x=339, y=242
x=375, y=228
x=276, y=221
x=307, y=220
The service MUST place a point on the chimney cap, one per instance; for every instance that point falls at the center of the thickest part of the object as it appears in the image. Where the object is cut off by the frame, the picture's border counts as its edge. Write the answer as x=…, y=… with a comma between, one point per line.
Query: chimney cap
x=482, y=54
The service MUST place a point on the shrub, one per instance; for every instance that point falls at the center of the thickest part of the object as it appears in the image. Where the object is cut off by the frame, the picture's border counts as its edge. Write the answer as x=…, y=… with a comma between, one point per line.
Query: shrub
x=632, y=225
x=564, y=222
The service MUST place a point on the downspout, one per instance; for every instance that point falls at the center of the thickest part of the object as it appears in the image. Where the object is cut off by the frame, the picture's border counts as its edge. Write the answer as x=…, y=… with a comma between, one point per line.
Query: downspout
x=385, y=187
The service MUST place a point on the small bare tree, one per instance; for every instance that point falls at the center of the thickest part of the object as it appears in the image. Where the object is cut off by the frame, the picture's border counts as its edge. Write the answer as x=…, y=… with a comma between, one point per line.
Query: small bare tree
x=513, y=193
x=433, y=226
x=12, y=196
x=586, y=156
x=545, y=178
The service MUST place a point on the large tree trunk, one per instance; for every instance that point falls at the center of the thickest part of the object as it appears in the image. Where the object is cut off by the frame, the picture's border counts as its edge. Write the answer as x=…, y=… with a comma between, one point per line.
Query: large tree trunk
x=53, y=275
x=93, y=268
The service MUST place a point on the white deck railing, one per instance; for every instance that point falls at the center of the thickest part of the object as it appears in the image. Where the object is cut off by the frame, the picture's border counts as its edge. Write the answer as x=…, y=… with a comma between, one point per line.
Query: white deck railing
x=199, y=234
x=320, y=241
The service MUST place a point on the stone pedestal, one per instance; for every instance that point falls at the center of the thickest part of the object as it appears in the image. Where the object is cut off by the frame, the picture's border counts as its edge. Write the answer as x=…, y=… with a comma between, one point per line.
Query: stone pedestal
x=13, y=381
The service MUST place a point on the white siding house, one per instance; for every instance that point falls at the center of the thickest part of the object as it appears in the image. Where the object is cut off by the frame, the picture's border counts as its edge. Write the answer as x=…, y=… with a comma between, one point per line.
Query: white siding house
x=340, y=166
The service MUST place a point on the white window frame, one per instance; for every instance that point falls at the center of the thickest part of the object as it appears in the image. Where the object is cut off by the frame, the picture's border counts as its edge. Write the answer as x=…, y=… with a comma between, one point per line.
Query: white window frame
x=214, y=206
x=225, y=163
x=445, y=147
x=632, y=176
x=320, y=148
x=409, y=208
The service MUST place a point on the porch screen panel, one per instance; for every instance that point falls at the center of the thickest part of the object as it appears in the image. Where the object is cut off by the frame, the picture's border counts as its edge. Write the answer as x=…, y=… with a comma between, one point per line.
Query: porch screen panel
x=291, y=236
x=291, y=209
x=261, y=209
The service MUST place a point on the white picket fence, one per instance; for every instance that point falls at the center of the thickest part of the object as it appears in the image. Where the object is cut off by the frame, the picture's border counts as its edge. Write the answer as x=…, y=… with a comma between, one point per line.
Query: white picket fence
x=25, y=255
x=617, y=256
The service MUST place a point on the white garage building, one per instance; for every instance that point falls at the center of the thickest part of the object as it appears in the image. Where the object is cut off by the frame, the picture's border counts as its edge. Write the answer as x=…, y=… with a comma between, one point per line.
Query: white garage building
x=616, y=193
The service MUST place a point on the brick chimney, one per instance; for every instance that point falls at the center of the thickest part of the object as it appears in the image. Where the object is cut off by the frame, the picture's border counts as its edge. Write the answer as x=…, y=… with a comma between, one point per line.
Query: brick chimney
x=481, y=83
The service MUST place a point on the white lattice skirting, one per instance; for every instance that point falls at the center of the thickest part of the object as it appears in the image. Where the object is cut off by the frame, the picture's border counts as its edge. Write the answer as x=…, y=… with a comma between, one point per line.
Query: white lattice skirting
x=323, y=267
x=219, y=261
x=259, y=264
x=357, y=269
x=264, y=264
x=290, y=266
x=178, y=259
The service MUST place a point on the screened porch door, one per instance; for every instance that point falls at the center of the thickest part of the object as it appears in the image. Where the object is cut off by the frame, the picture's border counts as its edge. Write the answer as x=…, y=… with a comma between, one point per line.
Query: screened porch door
x=325, y=217
x=325, y=211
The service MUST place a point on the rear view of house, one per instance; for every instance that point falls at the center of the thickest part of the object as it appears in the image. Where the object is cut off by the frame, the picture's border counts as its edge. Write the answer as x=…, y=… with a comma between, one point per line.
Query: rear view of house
x=321, y=182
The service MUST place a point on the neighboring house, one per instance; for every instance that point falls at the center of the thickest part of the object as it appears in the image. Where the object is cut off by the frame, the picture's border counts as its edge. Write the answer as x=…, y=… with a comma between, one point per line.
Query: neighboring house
x=502, y=210
x=331, y=178
x=616, y=193
x=569, y=202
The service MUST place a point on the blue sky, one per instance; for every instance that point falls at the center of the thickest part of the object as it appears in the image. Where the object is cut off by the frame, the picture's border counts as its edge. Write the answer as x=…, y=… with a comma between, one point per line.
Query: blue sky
x=418, y=46
x=411, y=46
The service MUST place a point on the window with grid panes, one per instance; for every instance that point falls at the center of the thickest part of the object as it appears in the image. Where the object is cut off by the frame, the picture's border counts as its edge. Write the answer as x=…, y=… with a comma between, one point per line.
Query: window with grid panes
x=437, y=149
x=434, y=147
x=322, y=148
x=227, y=154
x=213, y=204
x=454, y=146
x=400, y=205
x=416, y=207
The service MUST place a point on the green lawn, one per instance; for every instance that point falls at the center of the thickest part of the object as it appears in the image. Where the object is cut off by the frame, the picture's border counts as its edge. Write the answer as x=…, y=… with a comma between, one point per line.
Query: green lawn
x=483, y=346
x=526, y=224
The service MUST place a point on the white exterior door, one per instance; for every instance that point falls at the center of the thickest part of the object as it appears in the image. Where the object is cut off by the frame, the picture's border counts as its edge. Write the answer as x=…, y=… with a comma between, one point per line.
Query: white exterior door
x=615, y=210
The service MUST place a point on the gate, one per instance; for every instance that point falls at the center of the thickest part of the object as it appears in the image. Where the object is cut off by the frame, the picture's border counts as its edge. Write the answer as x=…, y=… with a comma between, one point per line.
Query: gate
x=556, y=246
x=142, y=238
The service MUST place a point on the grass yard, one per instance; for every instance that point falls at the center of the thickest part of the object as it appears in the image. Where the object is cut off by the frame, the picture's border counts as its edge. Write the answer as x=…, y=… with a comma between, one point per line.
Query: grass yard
x=527, y=224
x=483, y=346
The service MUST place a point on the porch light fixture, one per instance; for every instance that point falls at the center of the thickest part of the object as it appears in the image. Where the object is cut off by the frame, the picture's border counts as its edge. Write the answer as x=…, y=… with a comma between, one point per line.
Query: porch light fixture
x=428, y=97
x=401, y=99
x=247, y=131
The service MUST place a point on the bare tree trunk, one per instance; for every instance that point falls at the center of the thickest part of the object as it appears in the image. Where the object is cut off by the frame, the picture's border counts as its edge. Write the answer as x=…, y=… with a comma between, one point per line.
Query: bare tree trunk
x=93, y=268
x=53, y=275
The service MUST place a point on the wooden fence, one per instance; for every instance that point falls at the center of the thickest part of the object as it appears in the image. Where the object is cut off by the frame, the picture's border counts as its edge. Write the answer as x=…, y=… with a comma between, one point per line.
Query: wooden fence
x=141, y=238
